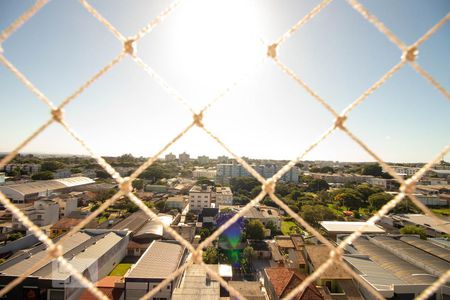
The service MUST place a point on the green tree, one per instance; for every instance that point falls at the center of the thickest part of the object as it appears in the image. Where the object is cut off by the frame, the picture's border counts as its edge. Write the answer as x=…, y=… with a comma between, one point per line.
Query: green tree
x=254, y=230
x=412, y=229
x=316, y=185
x=138, y=184
x=204, y=233
x=160, y=205
x=155, y=173
x=313, y=214
x=351, y=200
x=249, y=253
x=372, y=169
x=210, y=255
x=239, y=184
x=204, y=180
x=376, y=201
x=102, y=174
x=44, y=175
x=51, y=166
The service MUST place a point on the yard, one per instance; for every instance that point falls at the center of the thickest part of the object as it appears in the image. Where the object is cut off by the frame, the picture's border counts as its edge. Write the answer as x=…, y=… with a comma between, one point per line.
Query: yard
x=289, y=227
x=120, y=269
x=442, y=211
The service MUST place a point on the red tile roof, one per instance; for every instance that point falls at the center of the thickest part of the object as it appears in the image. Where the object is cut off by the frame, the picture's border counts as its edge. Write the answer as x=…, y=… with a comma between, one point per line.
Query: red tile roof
x=66, y=223
x=285, y=280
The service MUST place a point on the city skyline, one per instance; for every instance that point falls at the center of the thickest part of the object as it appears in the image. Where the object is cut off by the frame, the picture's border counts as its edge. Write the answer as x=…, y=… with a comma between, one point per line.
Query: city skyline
x=267, y=116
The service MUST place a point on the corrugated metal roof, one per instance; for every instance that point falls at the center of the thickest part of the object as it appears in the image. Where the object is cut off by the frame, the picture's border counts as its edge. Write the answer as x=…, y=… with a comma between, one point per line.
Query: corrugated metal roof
x=428, y=247
x=22, y=264
x=400, y=268
x=83, y=259
x=46, y=185
x=154, y=228
x=158, y=261
x=134, y=222
x=426, y=261
x=379, y=278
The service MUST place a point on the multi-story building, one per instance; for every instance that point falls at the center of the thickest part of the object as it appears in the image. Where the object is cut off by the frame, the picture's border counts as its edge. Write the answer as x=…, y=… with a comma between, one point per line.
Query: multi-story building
x=203, y=159
x=223, y=196
x=170, y=157
x=405, y=171
x=183, y=157
x=223, y=159
x=202, y=172
x=26, y=168
x=227, y=171
x=41, y=213
x=200, y=197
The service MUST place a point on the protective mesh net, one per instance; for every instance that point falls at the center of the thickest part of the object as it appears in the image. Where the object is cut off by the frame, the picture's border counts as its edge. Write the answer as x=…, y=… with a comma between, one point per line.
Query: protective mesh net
x=407, y=187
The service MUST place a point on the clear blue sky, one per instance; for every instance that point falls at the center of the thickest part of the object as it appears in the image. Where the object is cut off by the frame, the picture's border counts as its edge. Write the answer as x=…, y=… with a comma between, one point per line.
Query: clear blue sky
x=201, y=48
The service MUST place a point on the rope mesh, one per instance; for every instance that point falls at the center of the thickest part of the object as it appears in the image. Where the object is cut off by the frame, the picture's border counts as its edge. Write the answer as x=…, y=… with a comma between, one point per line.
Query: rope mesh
x=407, y=187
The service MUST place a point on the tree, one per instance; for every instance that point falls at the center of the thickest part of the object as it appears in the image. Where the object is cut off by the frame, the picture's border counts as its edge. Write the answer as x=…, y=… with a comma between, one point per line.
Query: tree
x=316, y=185
x=210, y=255
x=313, y=214
x=238, y=184
x=155, y=173
x=160, y=205
x=102, y=174
x=204, y=233
x=271, y=226
x=254, y=230
x=412, y=229
x=15, y=236
x=249, y=253
x=138, y=184
x=349, y=200
x=45, y=175
x=376, y=201
x=372, y=169
x=51, y=166
x=204, y=180
x=366, y=190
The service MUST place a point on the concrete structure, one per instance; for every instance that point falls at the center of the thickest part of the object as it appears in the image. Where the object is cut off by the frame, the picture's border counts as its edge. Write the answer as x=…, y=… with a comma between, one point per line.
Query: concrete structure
x=158, y=261
x=184, y=158
x=176, y=202
x=27, y=192
x=203, y=159
x=67, y=206
x=339, y=179
x=223, y=159
x=94, y=253
x=62, y=173
x=200, y=197
x=26, y=168
x=209, y=173
x=152, y=229
x=227, y=171
x=223, y=196
x=405, y=171
x=251, y=290
x=170, y=157
x=2, y=177
x=41, y=213
x=333, y=228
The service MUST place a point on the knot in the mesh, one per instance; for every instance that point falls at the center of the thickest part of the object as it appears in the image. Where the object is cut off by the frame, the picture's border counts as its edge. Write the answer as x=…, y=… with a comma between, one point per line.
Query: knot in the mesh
x=269, y=187
x=336, y=254
x=198, y=119
x=339, y=122
x=197, y=256
x=272, y=50
x=129, y=46
x=57, y=114
x=126, y=186
x=410, y=54
x=55, y=251
x=408, y=187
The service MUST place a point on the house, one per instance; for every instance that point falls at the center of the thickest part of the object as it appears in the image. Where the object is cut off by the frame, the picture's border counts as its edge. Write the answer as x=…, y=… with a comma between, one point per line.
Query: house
x=335, y=281
x=209, y=215
x=65, y=224
x=41, y=213
x=279, y=282
x=160, y=260
x=94, y=253
x=261, y=249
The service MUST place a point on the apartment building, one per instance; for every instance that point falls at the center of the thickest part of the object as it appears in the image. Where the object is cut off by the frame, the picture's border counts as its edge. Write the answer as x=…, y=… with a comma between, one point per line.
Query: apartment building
x=183, y=157
x=203, y=159
x=202, y=172
x=223, y=196
x=227, y=171
x=200, y=197
x=170, y=157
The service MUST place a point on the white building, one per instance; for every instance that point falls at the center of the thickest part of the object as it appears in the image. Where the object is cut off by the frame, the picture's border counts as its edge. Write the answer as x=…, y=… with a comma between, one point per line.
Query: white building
x=200, y=197
x=227, y=171
x=41, y=213
x=405, y=171
x=202, y=172
x=27, y=168
x=63, y=173
x=67, y=205
x=223, y=196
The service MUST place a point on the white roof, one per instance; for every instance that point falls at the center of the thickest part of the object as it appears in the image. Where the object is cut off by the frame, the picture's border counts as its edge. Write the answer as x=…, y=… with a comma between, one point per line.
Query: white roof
x=347, y=227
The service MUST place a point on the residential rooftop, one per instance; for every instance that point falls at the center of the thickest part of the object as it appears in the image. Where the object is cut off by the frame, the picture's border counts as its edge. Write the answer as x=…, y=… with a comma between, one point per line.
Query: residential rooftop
x=349, y=227
x=319, y=254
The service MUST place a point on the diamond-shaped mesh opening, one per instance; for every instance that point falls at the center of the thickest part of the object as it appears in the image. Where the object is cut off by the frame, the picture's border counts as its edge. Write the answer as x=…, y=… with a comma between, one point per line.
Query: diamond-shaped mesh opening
x=56, y=115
